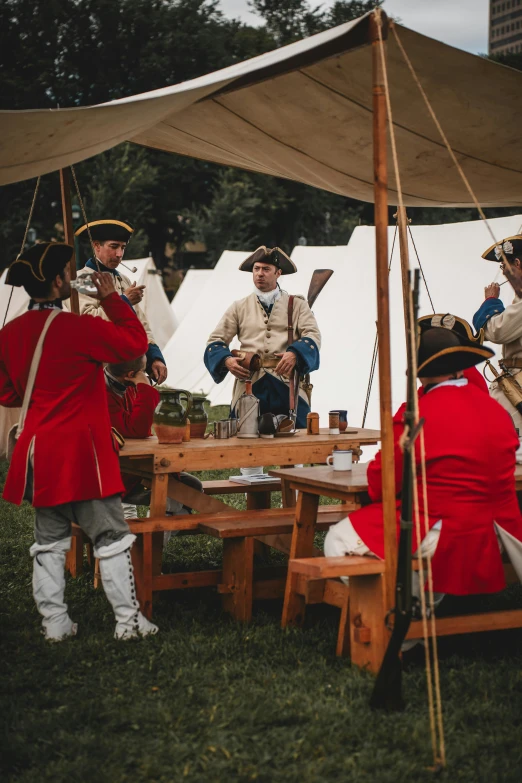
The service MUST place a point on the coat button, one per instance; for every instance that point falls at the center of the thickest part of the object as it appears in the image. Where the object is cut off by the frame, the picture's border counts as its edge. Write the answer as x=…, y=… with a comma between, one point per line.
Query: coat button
x=268, y=336
x=268, y=328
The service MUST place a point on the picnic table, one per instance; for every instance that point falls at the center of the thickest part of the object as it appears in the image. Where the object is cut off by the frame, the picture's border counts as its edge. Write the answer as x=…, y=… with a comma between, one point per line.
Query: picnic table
x=156, y=464
x=366, y=600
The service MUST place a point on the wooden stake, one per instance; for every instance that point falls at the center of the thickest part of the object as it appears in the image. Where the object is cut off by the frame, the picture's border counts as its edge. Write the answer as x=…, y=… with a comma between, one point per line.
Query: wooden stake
x=65, y=187
x=383, y=308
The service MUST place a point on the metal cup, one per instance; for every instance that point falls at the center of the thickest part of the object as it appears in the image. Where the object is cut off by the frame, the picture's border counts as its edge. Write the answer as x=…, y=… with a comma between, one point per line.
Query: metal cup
x=221, y=429
x=232, y=428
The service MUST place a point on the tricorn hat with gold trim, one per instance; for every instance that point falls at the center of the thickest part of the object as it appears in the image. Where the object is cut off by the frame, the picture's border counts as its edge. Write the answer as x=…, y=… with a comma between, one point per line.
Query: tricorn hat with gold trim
x=444, y=351
x=107, y=230
x=452, y=322
x=512, y=247
x=41, y=262
x=269, y=255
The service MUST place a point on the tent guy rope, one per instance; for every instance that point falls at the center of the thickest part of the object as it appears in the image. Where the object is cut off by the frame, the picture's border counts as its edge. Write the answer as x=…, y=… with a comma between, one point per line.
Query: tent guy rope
x=24, y=240
x=437, y=734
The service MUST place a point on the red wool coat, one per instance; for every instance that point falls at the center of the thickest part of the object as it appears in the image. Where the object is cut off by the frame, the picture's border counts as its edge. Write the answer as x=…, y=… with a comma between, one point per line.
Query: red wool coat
x=470, y=464
x=131, y=414
x=67, y=423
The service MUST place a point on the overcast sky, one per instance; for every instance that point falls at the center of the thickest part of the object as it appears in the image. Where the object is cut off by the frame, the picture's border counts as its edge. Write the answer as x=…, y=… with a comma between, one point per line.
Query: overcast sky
x=461, y=23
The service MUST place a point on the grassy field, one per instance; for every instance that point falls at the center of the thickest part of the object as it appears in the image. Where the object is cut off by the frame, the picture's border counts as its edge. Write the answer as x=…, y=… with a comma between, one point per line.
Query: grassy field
x=208, y=700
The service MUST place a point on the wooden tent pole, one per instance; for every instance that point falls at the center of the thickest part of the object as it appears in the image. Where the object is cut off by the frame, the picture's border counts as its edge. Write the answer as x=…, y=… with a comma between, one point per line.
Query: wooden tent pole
x=402, y=221
x=383, y=307
x=68, y=230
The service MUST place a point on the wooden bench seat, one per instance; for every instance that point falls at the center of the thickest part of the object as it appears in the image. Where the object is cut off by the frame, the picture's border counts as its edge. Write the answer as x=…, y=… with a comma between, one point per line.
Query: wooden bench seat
x=227, y=487
x=237, y=532
x=270, y=521
x=317, y=581
x=332, y=567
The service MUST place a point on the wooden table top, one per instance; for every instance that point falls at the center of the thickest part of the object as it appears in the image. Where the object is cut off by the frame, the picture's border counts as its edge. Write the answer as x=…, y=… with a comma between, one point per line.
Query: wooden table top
x=212, y=454
x=325, y=478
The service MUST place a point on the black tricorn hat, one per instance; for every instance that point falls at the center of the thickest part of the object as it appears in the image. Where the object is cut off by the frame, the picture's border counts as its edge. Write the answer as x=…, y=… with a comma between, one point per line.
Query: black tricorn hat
x=444, y=351
x=269, y=255
x=512, y=247
x=41, y=262
x=452, y=322
x=107, y=230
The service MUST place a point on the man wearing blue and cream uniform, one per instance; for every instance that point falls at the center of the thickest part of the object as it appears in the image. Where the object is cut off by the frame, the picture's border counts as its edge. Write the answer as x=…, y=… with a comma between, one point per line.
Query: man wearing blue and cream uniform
x=109, y=239
x=260, y=321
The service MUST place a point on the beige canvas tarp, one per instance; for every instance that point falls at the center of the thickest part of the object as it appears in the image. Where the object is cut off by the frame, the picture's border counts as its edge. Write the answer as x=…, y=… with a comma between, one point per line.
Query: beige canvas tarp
x=304, y=112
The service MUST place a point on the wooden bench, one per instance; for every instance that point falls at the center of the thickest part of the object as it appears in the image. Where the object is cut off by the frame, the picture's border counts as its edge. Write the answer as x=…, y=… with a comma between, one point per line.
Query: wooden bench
x=361, y=604
x=238, y=584
x=227, y=487
x=258, y=496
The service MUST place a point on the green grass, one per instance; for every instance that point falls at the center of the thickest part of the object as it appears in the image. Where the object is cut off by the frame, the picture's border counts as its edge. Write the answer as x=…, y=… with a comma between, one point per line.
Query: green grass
x=209, y=700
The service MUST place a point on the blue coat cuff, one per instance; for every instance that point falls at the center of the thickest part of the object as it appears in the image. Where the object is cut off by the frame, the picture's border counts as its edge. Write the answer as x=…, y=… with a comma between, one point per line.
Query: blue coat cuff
x=125, y=299
x=153, y=354
x=307, y=354
x=487, y=310
x=215, y=355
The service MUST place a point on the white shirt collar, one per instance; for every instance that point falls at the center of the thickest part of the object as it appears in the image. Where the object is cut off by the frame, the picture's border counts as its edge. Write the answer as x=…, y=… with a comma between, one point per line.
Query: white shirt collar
x=268, y=298
x=455, y=382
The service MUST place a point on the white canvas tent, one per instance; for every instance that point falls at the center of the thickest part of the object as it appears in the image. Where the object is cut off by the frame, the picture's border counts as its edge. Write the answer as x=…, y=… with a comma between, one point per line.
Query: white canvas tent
x=187, y=294
x=456, y=275
x=305, y=112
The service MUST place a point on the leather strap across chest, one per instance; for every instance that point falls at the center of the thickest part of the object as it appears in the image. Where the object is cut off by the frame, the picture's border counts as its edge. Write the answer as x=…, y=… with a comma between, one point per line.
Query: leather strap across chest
x=291, y=319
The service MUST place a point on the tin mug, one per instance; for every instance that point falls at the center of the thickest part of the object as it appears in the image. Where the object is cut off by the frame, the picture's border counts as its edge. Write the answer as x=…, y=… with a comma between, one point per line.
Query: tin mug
x=333, y=422
x=343, y=419
x=341, y=459
x=221, y=429
x=232, y=428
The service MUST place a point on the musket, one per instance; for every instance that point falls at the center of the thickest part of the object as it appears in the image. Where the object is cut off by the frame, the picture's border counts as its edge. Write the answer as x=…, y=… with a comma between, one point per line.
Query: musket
x=387, y=691
x=319, y=279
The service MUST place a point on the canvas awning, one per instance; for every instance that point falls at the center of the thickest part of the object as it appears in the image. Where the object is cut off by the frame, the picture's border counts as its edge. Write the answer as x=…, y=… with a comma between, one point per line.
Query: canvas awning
x=304, y=112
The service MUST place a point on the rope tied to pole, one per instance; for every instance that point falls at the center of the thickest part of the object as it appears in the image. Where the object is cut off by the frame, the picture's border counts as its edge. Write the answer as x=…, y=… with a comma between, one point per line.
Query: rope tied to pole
x=84, y=215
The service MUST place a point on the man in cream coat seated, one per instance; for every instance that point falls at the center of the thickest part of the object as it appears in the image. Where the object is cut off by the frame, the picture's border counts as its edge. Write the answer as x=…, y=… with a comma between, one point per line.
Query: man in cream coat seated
x=260, y=321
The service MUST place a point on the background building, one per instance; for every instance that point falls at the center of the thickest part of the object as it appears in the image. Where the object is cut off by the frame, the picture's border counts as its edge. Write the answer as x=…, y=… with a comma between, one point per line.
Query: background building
x=505, y=26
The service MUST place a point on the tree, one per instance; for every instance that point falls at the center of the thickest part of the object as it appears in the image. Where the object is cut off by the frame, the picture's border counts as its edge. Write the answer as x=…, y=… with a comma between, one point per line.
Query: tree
x=296, y=19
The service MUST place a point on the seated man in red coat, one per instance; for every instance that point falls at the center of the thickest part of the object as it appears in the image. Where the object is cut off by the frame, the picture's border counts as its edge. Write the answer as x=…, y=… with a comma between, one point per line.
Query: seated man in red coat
x=132, y=402
x=470, y=446
x=65, y=461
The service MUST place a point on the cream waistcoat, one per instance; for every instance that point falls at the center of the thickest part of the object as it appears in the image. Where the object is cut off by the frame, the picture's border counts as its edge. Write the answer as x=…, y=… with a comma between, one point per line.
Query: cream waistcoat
x=263, y=334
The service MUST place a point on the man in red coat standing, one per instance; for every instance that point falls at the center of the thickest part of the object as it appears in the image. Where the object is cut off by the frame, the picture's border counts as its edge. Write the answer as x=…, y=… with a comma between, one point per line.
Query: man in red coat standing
x=470, y=446
x=65, y=461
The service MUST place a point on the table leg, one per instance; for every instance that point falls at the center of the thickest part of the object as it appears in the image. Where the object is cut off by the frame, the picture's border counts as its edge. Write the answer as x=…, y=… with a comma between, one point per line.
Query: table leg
x=238, y=567
x=74, y=557
x=158, y=508
x=367, y=610
x=190, y=497
x=302, y=546
x=288, y=495
x=257, y=500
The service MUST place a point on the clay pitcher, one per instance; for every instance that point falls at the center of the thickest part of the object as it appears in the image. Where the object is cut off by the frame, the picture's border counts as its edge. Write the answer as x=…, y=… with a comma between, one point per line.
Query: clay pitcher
x=198, y=416
x=170, y=417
